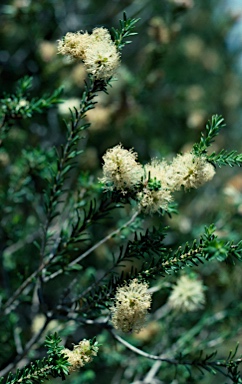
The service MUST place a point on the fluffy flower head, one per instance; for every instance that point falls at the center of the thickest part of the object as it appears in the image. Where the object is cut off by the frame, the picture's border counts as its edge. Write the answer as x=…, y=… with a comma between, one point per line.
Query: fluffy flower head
x=81, y=354
x=187, y=295
x=157, y=170
x=97, y=51
x=190, y=171
x=120, y=169
x=100, y=34
x=131, y=305
x=74, y=44
x=156, y=193
x=101, y=59
x=150, y=201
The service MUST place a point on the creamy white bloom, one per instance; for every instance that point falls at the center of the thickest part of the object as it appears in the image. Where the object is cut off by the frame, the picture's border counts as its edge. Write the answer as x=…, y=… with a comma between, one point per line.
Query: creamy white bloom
x=151, y=201
x=74, y=44
x=131, y=306
x=120, y=169
x=97, y=50
x=156, y=193
x=158, y=169
x=187, y=295
x=101, y=59
x=100, y=34
x=190, y=171
x=81, y=354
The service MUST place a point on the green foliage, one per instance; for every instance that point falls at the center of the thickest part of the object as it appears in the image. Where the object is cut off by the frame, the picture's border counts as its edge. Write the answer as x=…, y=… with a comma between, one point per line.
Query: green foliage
x=205, y=362
x=232, y=158
x=213, y=128
x=70, y=151
x=19, y=106
x=55, y=365
x=224, y=157
x=124, y=32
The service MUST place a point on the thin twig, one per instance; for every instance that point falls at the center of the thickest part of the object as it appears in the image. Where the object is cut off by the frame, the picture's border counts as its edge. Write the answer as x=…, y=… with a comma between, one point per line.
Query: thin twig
x=17, y=340
x=164, y=358
x=149, y=378
x=7, y=308
x=95, y=246
x=28, y=346
x=20, y=244
x=139, y=351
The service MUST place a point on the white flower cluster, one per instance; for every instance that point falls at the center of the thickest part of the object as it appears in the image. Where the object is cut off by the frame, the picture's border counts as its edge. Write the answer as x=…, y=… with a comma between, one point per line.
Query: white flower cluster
x=132, y=302
x=154, y=183
x=120, y=169
x=97, y=51
x=187, y=295
x=156, y=193
x=81, y=354
x=191, y=171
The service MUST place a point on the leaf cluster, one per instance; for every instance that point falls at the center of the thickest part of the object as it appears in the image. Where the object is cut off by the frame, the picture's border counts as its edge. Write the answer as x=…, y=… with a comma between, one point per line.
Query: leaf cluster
x=159, y=260
x=228, y=367
x=55, y=365
x=125, y=31
x=224, y=157
x=69, y=151
x=213, y=128
x=19, y=106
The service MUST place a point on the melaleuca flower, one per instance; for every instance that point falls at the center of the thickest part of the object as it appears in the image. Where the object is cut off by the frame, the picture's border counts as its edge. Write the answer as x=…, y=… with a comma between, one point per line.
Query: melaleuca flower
x=81, y=354
x=97, y=51
x=100, y=34
x=132, y=302
x=120, y=169
x=190, y=171
x=156, y=193
x=158, y=171
x=151, y=201
x=74, y=44
x=101, y=59
x=22, y=104
x=187, y=295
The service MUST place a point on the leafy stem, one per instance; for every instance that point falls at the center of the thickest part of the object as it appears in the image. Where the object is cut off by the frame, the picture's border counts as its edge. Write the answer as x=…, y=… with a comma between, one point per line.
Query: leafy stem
x=125, y=31
x=65, y=160
x=55, y=365
x=19, y=106
x=224, y=157
x=202, y=362
x=213, y=128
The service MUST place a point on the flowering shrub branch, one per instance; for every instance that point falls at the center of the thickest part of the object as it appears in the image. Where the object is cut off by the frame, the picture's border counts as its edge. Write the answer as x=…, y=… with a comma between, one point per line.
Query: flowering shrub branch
x=61, y=281
x=59, y=363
